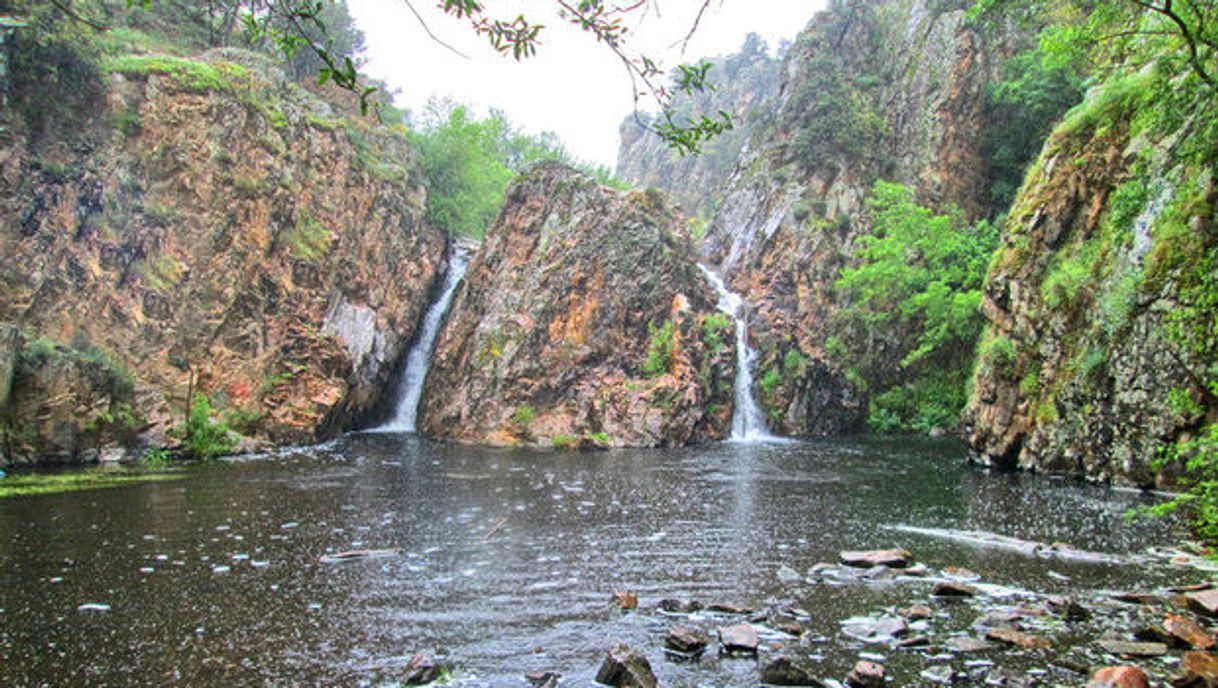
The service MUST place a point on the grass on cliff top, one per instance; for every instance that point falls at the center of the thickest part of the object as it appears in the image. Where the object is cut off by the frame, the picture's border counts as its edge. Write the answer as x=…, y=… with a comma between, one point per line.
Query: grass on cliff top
x=189, y=74
x=27, y=484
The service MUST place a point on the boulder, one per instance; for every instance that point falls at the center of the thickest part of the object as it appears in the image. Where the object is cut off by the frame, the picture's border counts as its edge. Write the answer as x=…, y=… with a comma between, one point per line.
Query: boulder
x=423, y=669
x=685, y=640
x=784, y=670
x=625, y=668
x=740, y=638
x=866, y=675
x=1197, y=670
x=1188, y=632
x=953, y=589
x=1119, y=677
x=1204, y=602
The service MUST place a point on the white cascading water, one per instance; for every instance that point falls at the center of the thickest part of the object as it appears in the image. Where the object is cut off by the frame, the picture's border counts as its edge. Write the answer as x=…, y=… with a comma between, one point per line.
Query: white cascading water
x=748, y=423
x=418, y=359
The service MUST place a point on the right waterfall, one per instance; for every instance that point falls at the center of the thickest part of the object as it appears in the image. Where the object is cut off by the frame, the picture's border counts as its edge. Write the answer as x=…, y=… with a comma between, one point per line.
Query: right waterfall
x=748, y=422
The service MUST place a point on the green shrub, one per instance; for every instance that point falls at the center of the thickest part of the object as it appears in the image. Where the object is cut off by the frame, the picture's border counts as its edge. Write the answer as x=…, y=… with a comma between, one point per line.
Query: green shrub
x=713, y=329
x=202, y=437
x=156, y=457
x=523, y=416
x=307, y=239
x=770, y=380
x=659, y=349
x=794, y=363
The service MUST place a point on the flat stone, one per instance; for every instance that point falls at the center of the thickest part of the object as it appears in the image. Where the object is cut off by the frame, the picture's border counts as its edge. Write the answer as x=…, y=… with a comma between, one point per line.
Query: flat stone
x=916, y=612
x=1136, y=597
x=960, y=573
x=729, y=608
x=1204, y=602
x=543, y=679
x=739, y=638
x=685, y=640
x=1119, y=677
x=1122, y=647
x=891, y=626
x=1197, y=670
x=1154, y=634
x=914, y=641
x=1010, y=636
x=893, y=558
x=968, y=644
x=1188, y=632
x=866, y=675
x=625, y=668
x=790, y=628
x=953, y=589
x=788, y=671
x=423, y=669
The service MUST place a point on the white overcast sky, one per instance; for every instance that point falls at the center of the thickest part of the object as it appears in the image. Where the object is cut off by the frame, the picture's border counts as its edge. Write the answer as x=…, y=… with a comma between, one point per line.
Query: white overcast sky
x=573, y=86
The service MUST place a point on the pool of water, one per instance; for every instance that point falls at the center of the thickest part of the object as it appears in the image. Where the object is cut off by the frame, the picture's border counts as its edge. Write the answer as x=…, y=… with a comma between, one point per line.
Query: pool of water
x=506, y=560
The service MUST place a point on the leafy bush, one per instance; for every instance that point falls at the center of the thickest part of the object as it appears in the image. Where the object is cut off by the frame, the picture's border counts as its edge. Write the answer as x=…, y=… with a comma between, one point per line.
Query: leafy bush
x=659, y=349
x=713, y=328
x=911, y=317
x=202, y=437
x=523, y=416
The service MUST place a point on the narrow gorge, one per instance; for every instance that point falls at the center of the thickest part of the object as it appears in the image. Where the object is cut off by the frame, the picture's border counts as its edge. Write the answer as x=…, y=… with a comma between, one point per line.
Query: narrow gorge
x=886, y=355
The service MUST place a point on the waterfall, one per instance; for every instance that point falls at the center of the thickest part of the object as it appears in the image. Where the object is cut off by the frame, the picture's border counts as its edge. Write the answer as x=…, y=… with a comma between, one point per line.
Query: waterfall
x=748, y=422
x=418, y=359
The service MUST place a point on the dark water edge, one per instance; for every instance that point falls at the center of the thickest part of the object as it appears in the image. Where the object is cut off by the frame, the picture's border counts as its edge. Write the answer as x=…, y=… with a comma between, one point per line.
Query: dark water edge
x=508, y=560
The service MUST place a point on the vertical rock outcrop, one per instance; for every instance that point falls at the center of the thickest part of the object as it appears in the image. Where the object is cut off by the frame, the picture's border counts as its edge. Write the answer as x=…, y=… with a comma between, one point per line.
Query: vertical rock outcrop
x=209, y=225
x=583, y=319
x=1100, y=356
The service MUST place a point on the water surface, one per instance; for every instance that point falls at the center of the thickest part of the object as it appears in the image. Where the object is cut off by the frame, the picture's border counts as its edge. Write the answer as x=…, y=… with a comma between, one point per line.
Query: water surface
x=507, y=558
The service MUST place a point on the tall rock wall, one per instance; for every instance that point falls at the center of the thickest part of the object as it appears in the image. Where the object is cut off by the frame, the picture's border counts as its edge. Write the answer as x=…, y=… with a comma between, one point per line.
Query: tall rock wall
x=207, y=225
x=875, y=89
x=1101, y=354
x=743, y=84
x=583, y=319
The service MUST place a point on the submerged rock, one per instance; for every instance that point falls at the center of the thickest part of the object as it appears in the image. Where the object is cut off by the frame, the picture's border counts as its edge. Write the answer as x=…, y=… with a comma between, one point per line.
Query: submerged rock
x=584, y=314
x=625, y=668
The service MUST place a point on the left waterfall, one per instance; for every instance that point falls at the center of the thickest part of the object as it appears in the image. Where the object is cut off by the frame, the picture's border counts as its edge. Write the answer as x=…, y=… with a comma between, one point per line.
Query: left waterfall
x=418, y=359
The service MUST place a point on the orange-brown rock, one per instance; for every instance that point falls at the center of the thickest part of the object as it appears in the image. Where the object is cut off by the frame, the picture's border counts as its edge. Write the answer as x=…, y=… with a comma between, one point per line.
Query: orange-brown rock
x=240, y=238
x=549, y=339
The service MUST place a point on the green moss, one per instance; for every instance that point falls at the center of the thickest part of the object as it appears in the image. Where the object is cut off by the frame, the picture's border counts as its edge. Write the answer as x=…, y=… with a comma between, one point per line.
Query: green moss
x=997, y=351
x=189, y=74
x=307, y=239
x=30, y=484
x=563, y=441
x=162, y=273
x=770, y=381
x=794, y=363
x=1109, y=105
x=1029, y=385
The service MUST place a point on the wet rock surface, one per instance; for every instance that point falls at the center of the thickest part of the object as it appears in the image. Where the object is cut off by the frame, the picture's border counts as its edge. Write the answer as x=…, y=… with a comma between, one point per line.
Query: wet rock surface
x=625, y=668
x=583, y=314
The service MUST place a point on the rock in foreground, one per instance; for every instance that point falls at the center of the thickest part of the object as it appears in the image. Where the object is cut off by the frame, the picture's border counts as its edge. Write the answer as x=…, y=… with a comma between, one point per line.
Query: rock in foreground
x=625, y=668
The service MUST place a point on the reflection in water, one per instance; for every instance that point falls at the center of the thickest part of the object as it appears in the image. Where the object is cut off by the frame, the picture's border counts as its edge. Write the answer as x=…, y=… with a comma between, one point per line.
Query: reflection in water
x=507, y=558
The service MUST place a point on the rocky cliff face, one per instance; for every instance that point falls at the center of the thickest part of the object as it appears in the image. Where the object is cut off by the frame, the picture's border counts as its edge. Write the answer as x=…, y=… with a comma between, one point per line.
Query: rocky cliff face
x=583, y=319
x=871, y=90
x=1101, y=350
x=744, y=83
x=209, y=225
